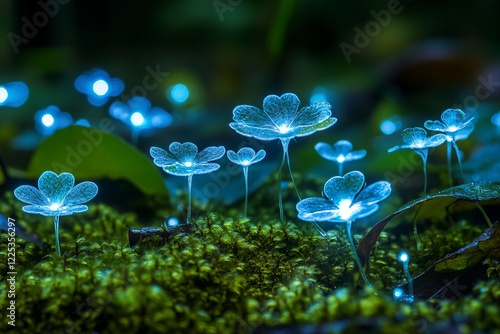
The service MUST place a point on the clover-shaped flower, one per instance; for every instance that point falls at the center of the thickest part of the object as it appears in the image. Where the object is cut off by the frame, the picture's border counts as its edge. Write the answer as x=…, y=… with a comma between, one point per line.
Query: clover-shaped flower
x=346, y=202
x=416, y=139
x=456, y=126
x=50, y=119
x=281, y=119
x=56, y=196
x=13, y=94
x=98, y=86
x=340, y=152
x=245, y=157
x=185, y=160
x=140, y=116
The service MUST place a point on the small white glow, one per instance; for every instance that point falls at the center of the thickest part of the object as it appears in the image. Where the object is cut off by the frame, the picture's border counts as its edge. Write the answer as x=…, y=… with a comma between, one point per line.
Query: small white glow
x=449, y=138
x=54, y=206
x=403, y=257
x=345, y=208
x=48, y=120
x=188, y=164
x=100, y=87
x=283, y=128
x=4, y=94
x=398, y=293
x=179, y=93
x=452, y=128
x=495, y=119
x=245, y=163
x=172, y=221
x=340, y=158
x=137, y=119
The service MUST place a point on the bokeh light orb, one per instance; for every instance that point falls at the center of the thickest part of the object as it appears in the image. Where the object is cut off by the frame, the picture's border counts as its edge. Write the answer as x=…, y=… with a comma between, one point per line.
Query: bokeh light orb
x=137, y=119
x=391, y=125
x=4, y=94
x=100, y=87
x=47, y=120
x=178, y=93
x=13, y=94
x=495, y=119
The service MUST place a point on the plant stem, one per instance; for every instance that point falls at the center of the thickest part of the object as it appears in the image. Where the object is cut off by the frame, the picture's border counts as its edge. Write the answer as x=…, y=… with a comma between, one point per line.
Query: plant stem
x=448, y=156
x=245, y=174
x=355, y=253
x=415, y=233
x=341, y=168
x=280, y=195
x=56, y=230
x=190, y=184
x=455, y=146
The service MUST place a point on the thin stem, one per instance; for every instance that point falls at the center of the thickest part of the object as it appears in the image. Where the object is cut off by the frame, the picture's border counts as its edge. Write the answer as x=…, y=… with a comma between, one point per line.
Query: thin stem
x=319, y=229
x=135, y=136
x=409, y=279
x=355, y=253
x=280, y=195
x=424, y=160
x=455, y=146
x=415, y=233
x=448, y=156
x=341, y=168
x=291, y=175
x=245, y=174
x=56, y=230
x=480, y=207
x=190, y=184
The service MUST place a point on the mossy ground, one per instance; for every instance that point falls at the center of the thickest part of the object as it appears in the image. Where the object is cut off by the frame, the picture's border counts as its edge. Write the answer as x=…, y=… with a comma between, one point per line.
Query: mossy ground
x=230, y=275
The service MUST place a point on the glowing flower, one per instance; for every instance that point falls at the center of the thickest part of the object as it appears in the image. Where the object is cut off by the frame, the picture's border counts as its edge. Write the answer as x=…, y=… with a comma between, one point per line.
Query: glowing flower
x=416, y=139
x=50, y=119
x=281, y=119
x=56, y=196
x=245, y=157
x=98, y=86
x=345, y=203
x=140, y=116
x=185, y=160
x=13, y=94
x=340, y=152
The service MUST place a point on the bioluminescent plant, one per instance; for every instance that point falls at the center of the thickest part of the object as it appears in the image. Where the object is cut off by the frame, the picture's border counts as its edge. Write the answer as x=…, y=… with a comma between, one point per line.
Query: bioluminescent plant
x=416, y=139
x=140, y=116
x=345, y=203
x=185, y=160
x=456, y=126
x=50, y=119
x=281, y=119
x=404, y=258
x=245, y=157
x=13, y=94
x=56, y=196
x=340, y=153
x=98, y=86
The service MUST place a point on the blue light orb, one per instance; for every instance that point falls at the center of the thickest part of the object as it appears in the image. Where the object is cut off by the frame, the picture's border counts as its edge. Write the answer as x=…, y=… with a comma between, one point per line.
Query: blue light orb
x=319, y=94
x=178, y=93
x=98, y=86
x=495, y=119
x=50, y=119
x=13, y=94
x=137, y=119
x=391, y=125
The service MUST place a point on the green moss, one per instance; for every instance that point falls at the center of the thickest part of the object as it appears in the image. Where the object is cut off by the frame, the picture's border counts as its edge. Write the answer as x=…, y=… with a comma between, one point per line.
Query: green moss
x=228, y=275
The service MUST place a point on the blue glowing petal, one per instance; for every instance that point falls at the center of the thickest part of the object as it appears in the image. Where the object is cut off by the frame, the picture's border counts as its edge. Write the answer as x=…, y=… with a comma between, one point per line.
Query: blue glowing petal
x=343, y=147
x=413, y=136
x=281, y=109
x=17, y=94
x=464, y=133
x=312, y=115
x=339, y=188
x=301, y=131
x=374, y=193
x=69, y=210
x=455, y=118
x=262, y=133
x=365, y=211
x=326, y=151
x=41, y=210
x=251, y=117
x=183, y=152
x=435, y=126
x=355, y=155
x=261, y=154
x=161, y=157
x=435, y=140
x=182, y=170
x=246, y=156
x=30, y=195
x=317, y=209
x=81, y=193
x=209, y=154
x=235, y=158
x=55, y=187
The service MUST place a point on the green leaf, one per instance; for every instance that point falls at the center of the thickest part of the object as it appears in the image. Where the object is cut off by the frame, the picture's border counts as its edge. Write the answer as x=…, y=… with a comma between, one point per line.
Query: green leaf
x=433, y=205
x=90, y=154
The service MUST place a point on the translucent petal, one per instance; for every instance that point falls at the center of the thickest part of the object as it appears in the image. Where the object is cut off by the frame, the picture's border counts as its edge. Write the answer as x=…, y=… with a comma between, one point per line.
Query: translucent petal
x=374, y=193
x=55, y=187
x=31, y=195
x=161, y=157
x=306, y=130
x=181, y=170
x=464, y=133
x=414, y=136
x=261, y=154
x=313, y=114
x=340, y=188
x=316, y=209
x=209, y=154
x=342, y=147
x=81, y=193
x=355, y=155
x=251, y=116
x=261, y=133
x=246, y=154
x=435, y=126
x=365, y=211
x=281, y=109
x=435, y=140
x=453, y=117
x=233, y=157
x=183, y=152
x=69, y=210
x=40, y=210
x=326, y=151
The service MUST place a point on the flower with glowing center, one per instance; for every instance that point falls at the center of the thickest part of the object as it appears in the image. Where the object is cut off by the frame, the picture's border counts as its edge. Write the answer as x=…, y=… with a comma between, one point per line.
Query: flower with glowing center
x=340, y=152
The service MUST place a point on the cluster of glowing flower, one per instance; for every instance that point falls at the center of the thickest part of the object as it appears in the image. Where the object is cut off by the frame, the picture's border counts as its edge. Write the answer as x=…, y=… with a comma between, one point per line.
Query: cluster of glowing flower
x=340, y=152
x=140, y=115
x=346, y=202
x=56, y=196
x=245, y=157
x=13, y=94
x=416, y=139
x=185, y=160
x=98, y=86
x=281, y=119
x=50, y=119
